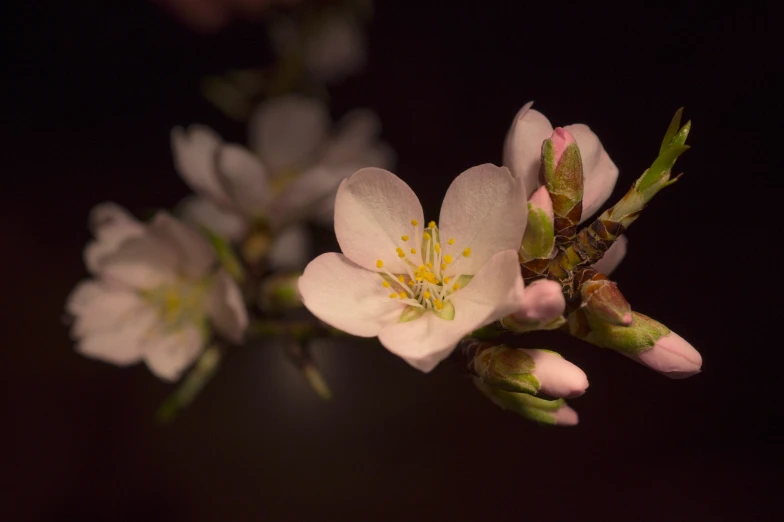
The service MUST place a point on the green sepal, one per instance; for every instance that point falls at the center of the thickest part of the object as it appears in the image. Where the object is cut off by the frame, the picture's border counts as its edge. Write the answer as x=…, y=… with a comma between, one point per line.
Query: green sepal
x=527, y=406
x=539, y=237
x=447, y=311
x=410, y=313
x=672, y=130
x=638, y=337
x=506, y=369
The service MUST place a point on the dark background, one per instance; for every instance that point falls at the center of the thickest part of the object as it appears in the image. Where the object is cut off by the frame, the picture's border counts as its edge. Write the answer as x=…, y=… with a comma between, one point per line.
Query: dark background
x=89, y=95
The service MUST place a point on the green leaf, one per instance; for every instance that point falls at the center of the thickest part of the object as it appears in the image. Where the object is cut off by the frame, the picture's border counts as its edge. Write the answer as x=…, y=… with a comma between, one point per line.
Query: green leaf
x=672, y=130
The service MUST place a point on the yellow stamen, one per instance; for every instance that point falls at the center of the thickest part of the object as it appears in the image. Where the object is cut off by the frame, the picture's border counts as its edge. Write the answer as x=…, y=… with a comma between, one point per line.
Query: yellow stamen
x=422, y=268
x=443, y=266
x=401, y=254
x=448, y=259
x=455, y=286
x=467, y=252
x=410, y=282
x=404, y=238
x=426, y=295
x=429, y=264
x=401, y=278
x=385, y=284
x=438, y=303
x=392, y=296
x=414, y=222
x=379, y=264
x=432, y=224
x=446, y=280
x=437, y=248
x=427, y=236
x=402, y=294
x=451, y=241
x=413, y=250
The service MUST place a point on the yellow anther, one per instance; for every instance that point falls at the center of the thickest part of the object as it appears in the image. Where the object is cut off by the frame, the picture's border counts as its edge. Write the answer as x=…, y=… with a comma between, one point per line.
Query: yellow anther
x=414, y=222
x=401, y=278
x=426, y=295
x=401, y=254
x=467, y=252
x=448, y=259
x=429, y=264
x=402, y=294
x=427, y=236
x=446, y=280
x=432, y=224
x=385, y=284
x=379, y=264
x=451, y=241
x=392, y=296
x=455, y=286
x=404, y=238
x=443, y=266
x=410, y=282
x=422, y=268
x=418, y=278
x=438, y=303
x=413, y=250
x=437, y=248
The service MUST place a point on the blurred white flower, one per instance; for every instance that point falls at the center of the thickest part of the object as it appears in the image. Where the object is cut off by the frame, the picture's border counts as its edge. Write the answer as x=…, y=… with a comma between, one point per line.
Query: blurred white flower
x=156, y=296
x=420, y=289
x=331, y=50
x=290, y=172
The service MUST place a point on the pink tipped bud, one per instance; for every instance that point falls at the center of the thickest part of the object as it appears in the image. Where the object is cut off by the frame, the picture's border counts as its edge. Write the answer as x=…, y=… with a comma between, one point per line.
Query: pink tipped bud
x=541, y=200
x=603, y=300
x=543, y=301
x=557, y=377
x=561, y=140
x=565, y=416
x=672, y=356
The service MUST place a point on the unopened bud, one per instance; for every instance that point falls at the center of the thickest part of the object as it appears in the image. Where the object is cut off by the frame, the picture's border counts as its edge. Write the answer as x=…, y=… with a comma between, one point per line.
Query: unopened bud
x=539, y=237
x=646, y=341
x=278, y=293
x=528, y=371
x=603, y=300
x=562, y=170
x=555, y=412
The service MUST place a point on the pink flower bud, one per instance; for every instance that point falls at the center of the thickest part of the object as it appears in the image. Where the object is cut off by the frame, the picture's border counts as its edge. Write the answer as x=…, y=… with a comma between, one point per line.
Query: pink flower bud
x=562, y=138
x=565, y=416
x=541, y=199
x=557, y=377
x=543, y=301
x=672, y=356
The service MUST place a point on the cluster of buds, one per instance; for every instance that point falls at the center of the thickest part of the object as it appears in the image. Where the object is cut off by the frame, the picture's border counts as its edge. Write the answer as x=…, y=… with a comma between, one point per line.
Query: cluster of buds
x=561, y=264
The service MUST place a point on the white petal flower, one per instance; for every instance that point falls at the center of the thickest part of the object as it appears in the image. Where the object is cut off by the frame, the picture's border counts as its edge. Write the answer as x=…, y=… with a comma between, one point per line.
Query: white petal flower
x=155, y=294
x=523, y=149
x=289, y=174
x=420, y=288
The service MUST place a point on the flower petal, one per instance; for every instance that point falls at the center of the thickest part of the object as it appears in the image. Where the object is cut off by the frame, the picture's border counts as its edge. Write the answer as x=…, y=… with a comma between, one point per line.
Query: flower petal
x=199, y=212
x=226, y=308
x=244, y=180
x=300, y=197
x=111, y=226
x=286, y=132
x=599, y=171
x=485, y=209
x=195, y=255
x=168, y=354
x=373, y=209
x=122, y=345
x=523, y=145
x=142, y=262
x=97, y=307
x=195, y=155
x=356, y=134
x=613, y=257
x=493, y=293
x=346, y=296
x=290, y=249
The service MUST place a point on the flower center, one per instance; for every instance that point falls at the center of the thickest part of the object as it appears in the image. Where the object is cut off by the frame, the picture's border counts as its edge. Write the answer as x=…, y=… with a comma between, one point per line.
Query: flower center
x=432, y=271
x=179, y=303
